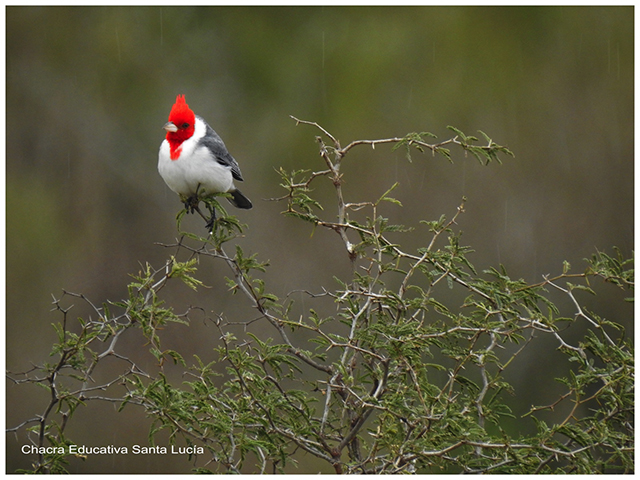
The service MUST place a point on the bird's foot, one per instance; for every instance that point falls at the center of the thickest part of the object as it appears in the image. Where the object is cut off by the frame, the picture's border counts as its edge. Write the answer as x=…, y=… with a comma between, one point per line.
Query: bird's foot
x=211, y=222
x=191, y=203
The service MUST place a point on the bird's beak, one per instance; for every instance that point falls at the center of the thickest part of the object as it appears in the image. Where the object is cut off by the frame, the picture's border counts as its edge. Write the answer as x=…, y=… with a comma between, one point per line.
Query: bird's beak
x=170, y=127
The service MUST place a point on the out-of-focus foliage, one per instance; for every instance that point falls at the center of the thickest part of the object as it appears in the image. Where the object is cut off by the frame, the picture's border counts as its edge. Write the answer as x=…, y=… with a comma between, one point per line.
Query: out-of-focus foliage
x=88, y=90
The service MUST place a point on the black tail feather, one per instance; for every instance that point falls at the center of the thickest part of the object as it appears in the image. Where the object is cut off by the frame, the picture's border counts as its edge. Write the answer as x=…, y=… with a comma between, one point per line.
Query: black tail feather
x=239, y=200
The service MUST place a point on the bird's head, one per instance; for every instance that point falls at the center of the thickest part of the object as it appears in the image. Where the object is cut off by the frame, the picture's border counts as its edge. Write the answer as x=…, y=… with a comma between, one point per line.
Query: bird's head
x=181, y=122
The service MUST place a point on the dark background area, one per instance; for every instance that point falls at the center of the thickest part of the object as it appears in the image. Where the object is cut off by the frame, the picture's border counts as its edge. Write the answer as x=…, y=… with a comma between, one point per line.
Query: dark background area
x=88, y=90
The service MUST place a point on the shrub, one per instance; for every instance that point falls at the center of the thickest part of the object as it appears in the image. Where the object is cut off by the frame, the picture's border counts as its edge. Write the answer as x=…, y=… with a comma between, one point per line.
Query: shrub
x=398, y=380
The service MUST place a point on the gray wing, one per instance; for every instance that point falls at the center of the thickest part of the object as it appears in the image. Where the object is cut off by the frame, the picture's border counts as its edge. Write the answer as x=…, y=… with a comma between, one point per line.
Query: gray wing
x=213, y=142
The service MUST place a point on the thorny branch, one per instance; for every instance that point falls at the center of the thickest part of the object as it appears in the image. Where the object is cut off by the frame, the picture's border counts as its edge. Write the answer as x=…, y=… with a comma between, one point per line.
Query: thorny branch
x=398, y=382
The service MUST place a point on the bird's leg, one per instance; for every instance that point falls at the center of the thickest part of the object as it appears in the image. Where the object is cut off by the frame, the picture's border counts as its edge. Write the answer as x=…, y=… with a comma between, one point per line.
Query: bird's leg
x=191, y=202
x=212, y=219
x=192, y=205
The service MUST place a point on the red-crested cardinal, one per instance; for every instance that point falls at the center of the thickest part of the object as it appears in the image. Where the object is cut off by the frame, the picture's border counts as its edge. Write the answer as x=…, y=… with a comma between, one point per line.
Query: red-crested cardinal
x=195, y=163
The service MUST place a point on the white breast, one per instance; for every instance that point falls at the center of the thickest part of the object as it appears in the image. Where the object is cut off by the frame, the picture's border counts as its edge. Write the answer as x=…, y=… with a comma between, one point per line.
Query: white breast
x=195, y=168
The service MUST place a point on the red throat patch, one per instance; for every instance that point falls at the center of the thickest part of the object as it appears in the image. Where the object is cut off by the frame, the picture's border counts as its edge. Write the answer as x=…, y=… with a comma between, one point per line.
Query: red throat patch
x=184, y=119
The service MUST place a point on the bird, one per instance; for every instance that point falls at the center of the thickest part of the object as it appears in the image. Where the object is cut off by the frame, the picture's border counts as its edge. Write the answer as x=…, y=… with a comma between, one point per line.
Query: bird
x=195, y=163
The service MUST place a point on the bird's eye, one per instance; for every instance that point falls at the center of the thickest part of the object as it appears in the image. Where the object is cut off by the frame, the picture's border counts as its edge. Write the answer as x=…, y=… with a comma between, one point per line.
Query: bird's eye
x=185, y=125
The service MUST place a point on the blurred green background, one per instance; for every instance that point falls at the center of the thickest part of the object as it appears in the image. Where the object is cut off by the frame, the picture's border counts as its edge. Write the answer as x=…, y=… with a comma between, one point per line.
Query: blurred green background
x=88, y=90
